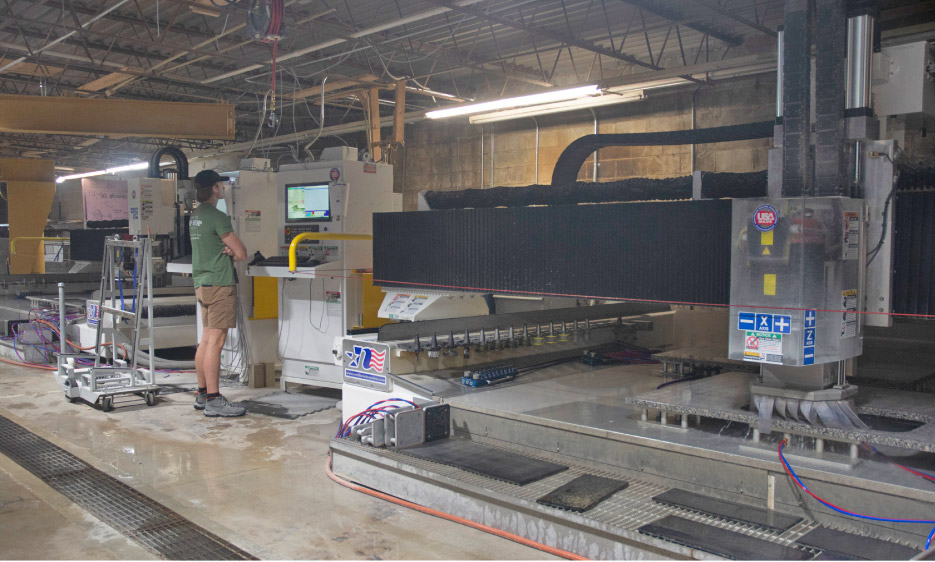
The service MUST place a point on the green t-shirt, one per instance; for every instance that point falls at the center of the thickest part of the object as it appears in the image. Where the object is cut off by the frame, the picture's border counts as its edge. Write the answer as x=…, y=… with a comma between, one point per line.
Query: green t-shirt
x=209, y=265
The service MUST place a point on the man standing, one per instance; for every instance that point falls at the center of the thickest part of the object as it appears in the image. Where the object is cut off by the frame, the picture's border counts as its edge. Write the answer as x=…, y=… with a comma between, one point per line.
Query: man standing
x=214, y=249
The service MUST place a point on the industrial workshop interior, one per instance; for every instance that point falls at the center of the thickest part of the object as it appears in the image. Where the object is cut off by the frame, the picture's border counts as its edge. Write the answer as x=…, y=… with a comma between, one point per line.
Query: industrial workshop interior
x=467, y=279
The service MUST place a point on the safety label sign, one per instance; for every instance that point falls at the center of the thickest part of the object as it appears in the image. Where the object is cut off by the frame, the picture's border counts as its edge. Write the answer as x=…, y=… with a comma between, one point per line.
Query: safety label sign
x=763, y=347
x=849, y=317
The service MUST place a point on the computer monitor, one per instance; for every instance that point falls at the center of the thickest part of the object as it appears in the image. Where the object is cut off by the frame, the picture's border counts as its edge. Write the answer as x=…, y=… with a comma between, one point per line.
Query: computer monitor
x=307, y=202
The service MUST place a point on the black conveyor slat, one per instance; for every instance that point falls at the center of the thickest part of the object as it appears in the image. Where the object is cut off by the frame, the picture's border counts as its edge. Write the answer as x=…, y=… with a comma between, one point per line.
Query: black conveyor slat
x=848, y=546
x=731, y=511
x=498, y=464
x=583, y=493
x=720, y=542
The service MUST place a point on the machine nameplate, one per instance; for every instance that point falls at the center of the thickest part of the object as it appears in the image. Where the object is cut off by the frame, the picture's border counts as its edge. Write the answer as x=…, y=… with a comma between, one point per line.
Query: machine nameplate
x=367, y=364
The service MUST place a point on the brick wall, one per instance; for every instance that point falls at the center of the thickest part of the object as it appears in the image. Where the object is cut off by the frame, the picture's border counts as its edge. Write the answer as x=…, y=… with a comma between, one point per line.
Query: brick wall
x=446, y=155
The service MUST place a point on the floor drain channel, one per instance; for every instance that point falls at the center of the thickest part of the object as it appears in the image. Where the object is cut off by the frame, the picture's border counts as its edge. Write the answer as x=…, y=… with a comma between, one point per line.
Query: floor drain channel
x=147, y=522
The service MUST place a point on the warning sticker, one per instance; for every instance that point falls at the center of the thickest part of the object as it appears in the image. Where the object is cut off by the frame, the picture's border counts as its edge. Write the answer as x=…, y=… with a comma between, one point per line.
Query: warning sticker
x=851, y=235
x=253, y=221
x=849, y=316
x=763, y=347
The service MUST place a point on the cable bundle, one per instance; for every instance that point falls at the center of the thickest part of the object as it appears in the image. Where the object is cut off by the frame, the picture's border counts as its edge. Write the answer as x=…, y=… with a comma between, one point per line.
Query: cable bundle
x=374, y=411
x=829, y=505
x=44, y=326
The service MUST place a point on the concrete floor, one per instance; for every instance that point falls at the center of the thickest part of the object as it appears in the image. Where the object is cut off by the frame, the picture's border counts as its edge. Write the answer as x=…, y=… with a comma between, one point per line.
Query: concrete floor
x=258, y=482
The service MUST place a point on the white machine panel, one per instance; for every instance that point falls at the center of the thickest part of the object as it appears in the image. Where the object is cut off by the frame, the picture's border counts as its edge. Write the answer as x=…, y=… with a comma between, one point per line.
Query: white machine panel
x=903, y=80
x=430, y=306
x=321, y=301
x=152, y=206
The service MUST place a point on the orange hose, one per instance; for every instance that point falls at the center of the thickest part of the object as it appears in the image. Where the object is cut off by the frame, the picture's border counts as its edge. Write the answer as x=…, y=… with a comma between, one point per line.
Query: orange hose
x=473, y=524
x=43, y=367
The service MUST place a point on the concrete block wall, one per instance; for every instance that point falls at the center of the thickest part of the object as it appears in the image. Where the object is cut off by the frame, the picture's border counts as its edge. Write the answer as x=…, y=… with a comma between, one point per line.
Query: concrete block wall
x=446, y=155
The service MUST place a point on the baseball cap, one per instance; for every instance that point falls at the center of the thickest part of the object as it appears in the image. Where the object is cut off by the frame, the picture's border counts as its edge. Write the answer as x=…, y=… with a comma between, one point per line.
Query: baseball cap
x=207, y=178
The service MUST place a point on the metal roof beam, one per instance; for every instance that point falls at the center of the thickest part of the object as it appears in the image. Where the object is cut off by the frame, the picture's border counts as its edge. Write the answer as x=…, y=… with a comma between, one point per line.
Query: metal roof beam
x=663, y=12
x=735, y=17
x=552, y=35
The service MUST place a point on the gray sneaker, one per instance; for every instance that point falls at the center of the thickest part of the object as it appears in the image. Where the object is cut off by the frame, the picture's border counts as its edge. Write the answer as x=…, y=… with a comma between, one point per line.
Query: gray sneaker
x=222, y=407
x=200, y=401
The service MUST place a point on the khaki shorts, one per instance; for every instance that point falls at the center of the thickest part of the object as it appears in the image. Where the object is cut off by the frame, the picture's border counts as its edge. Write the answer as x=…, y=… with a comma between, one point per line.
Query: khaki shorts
x=218, y=306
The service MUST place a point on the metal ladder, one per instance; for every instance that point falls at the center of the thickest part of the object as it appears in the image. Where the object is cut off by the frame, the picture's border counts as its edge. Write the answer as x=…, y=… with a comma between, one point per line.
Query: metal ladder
x=118, y=314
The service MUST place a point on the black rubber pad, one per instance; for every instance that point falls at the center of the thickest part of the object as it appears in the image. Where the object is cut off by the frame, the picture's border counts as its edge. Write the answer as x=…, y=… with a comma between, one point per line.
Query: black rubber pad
x=720, y=542
x=583, y=493
x=488, y=461
x=848, y=546
x=731, y=511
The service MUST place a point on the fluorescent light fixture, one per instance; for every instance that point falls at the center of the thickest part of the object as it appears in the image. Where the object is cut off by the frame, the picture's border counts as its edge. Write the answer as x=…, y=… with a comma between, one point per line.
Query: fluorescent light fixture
x=62, y=179
x=557, y=107
x=116, y=170
x=522, y=101
x=128, y=168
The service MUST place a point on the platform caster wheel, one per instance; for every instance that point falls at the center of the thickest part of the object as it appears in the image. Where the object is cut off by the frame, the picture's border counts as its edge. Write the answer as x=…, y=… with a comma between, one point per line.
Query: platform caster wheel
x=107, y=403
x=150, y=396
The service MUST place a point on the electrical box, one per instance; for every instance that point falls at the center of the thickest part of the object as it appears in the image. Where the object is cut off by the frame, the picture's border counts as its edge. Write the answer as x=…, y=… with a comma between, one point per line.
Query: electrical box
x=904, y=80
x=795, y=267
x=152, y=206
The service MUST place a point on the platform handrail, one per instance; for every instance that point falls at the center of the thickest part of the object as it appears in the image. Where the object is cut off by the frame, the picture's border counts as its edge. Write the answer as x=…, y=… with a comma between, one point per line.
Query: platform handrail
x=320, y=236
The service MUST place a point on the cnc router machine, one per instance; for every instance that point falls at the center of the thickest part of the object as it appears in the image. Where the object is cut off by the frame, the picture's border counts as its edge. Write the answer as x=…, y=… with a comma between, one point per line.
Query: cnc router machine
x=327, y=206
x=656, y=379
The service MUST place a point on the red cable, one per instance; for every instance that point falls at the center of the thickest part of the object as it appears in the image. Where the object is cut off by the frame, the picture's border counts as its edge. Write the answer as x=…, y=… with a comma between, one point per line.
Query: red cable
x=473, y=524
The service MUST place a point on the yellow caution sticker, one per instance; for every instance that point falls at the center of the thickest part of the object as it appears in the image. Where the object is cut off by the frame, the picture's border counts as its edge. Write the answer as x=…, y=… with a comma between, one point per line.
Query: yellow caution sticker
x=769, y=284
x=766, y=239
x=766, y=252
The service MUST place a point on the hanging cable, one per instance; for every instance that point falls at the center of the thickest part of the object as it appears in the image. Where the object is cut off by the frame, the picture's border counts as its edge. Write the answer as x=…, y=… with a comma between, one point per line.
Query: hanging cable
x=831, y=506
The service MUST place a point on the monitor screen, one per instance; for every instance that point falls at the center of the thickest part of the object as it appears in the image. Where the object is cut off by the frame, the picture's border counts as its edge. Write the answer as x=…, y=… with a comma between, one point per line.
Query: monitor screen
x=307, y=202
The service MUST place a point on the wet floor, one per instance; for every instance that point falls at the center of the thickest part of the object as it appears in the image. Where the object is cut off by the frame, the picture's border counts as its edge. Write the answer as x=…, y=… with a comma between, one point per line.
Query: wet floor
x=258, y=482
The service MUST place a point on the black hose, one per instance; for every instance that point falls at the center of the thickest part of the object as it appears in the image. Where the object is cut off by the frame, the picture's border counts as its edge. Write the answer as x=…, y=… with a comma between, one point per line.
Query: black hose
x=181, y=162
x=571, y=159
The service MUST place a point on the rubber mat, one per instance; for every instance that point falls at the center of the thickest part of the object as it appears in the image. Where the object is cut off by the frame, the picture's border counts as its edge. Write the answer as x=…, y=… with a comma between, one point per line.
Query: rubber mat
x=136, y=516
x=731, y=511
x=494, y=463
x=582, y=493
x=848, y=546
x=292, y=405
x=720, y=542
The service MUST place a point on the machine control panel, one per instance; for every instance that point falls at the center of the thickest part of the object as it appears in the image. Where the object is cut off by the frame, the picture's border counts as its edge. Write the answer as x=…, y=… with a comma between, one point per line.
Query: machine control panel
x=294, y=230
